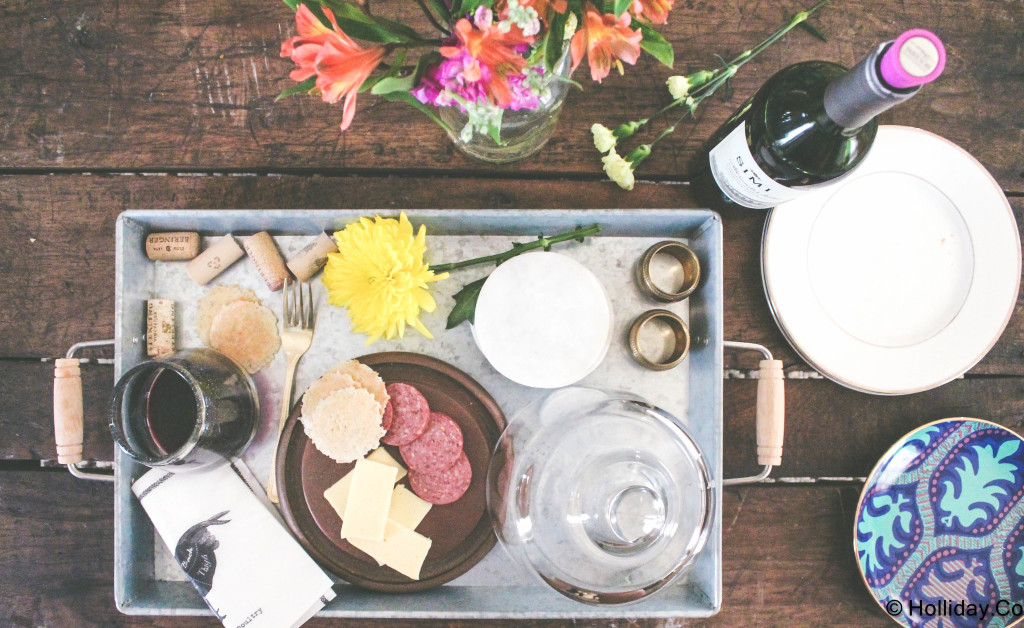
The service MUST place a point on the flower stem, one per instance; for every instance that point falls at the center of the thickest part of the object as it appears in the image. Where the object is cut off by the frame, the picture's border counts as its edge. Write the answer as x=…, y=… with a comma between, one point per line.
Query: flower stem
x=545, y=243
x=433, y=20
x=774, y=37
x=410, y=45
x=724, y=74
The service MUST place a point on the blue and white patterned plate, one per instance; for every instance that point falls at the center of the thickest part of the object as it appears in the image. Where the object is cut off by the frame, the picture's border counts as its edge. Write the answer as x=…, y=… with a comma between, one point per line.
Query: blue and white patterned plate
x=939, y=531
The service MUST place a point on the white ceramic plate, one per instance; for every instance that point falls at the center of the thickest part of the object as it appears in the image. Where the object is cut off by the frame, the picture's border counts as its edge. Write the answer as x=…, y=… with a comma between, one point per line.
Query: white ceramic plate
x=900, y=277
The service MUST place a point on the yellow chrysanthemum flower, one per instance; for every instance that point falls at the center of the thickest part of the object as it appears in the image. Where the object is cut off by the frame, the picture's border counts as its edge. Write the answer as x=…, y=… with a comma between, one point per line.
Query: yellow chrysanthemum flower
x=378, y=274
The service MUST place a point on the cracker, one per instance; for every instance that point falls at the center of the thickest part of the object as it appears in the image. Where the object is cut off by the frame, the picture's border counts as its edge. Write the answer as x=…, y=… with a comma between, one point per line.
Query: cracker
x=247, y=333
x=327, y=383
x=345, y=425
x=367, y=378
x=212, y=303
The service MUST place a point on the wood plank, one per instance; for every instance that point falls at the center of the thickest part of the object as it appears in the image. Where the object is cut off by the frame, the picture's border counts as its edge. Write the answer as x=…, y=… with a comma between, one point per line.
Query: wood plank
x=43, y=216
x=191, y=85
x=832, y=431
x=787, y=560
x=26, y=411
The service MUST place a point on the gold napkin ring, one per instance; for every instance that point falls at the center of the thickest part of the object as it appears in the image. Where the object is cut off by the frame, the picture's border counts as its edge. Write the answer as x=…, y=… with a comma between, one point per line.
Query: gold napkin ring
x=689, y=266
x=678, y=337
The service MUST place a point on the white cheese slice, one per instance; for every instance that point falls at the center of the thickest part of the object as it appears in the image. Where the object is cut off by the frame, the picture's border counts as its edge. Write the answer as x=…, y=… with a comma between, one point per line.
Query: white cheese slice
x=407, y=508
x=382, y=456
x=402, y=549
x=369, y=501
x=337, y=494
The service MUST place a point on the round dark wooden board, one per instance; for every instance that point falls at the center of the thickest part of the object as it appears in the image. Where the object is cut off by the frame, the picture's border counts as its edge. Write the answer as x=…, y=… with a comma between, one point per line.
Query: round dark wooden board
x=460, y=532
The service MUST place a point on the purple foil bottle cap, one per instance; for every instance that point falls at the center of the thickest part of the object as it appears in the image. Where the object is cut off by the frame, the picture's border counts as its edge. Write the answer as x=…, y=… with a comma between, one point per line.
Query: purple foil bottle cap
x=915, y=58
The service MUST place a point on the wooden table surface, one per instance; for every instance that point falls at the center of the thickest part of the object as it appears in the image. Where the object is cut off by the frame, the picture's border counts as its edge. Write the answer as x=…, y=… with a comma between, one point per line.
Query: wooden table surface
x=107, y=106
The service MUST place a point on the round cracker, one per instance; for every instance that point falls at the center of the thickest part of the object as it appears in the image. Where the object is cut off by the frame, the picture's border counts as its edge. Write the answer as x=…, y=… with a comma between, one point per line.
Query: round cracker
x=327, y=383
x=365, y=377
x=246, y=332
x=214, y=301
x=345, y=425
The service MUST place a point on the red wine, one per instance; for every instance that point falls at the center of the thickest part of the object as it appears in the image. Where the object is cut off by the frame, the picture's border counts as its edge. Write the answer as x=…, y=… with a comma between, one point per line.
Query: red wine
x=170, y=411
x=810, y=124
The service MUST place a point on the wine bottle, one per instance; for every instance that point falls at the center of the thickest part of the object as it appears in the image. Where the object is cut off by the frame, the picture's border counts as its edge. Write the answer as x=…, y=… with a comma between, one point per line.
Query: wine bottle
x=810, y=124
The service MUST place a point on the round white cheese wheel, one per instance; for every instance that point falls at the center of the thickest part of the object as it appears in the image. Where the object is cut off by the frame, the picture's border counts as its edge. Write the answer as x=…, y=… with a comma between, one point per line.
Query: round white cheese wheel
x=543, y=320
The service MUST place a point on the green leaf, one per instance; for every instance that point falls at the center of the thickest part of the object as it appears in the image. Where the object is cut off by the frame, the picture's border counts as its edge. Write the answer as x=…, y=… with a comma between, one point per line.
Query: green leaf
x=411, y=100
x=388, y=84
x=494, y=129
x=621, y=6
x=394, y=70
x=293, y=4
x=299, y=88
x=357, y=24
x=465, y=303
x=554, y=44
x=425, y=61
x=442, y=10
x=813, y=30
x=656, y=45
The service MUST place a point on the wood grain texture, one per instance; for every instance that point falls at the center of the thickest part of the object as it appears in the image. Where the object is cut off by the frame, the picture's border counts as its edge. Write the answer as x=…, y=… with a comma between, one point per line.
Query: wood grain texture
x=26, y=411
x=186, y=84
x=57, y=239
x=832, y=431
x=787, y=556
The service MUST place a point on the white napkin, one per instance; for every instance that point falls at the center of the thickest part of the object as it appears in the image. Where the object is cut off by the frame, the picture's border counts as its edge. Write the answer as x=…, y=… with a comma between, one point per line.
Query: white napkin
x=221, y=529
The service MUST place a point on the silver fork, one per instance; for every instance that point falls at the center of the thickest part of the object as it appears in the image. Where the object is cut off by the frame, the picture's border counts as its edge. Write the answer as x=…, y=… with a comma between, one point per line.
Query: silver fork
x=296, y=337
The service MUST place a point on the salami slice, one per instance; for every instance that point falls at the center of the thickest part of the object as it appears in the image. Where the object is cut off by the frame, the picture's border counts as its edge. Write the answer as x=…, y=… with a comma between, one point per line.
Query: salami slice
x=437, y=448
x=389, y=413
x=443, y=487
x=409, y=417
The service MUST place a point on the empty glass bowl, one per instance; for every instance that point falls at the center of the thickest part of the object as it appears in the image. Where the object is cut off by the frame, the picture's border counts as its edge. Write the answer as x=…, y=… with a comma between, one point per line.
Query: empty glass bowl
x=604, y=496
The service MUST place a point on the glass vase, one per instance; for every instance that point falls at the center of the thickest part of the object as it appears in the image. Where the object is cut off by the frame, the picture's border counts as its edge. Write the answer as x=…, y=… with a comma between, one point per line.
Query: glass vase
x=523, y=132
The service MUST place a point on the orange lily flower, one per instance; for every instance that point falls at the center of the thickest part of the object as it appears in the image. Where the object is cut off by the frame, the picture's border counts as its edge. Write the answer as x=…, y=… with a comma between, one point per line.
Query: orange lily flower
x=605, y=40
x=494, y=49
x=339, y=63
x=312, y=33
x=654, y=10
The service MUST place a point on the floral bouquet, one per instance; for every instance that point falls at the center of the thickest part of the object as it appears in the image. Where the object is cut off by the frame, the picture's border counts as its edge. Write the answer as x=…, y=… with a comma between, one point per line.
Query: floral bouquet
x=484, y=58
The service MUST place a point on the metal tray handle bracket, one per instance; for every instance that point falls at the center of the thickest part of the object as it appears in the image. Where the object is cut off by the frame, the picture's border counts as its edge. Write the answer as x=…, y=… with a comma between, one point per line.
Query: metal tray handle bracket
x=771, y=412
x=68, y=412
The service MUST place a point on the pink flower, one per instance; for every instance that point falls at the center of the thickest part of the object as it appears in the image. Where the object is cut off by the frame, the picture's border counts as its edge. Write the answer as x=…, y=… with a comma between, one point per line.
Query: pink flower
x=339, y=63
x=605, y=40
x=488, y=56
x=461, y=75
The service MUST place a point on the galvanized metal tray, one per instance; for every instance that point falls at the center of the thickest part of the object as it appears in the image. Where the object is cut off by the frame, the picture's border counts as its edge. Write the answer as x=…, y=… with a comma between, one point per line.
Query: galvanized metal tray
x=145, y=578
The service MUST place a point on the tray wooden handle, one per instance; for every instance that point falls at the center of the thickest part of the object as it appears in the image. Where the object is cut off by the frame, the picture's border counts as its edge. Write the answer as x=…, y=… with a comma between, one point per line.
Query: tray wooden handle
x=771, y=412
x=67, y=410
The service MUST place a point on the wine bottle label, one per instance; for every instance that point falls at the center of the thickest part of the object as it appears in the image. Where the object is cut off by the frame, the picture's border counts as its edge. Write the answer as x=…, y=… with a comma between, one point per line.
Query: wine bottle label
x=739, y=176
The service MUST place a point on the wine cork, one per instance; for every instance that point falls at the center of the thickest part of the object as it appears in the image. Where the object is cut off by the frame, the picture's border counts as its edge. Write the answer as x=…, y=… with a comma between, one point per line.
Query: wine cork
x=175, y=245
x=213, y=260
x=159, y=327
x=312, y=258
x=269, y=264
